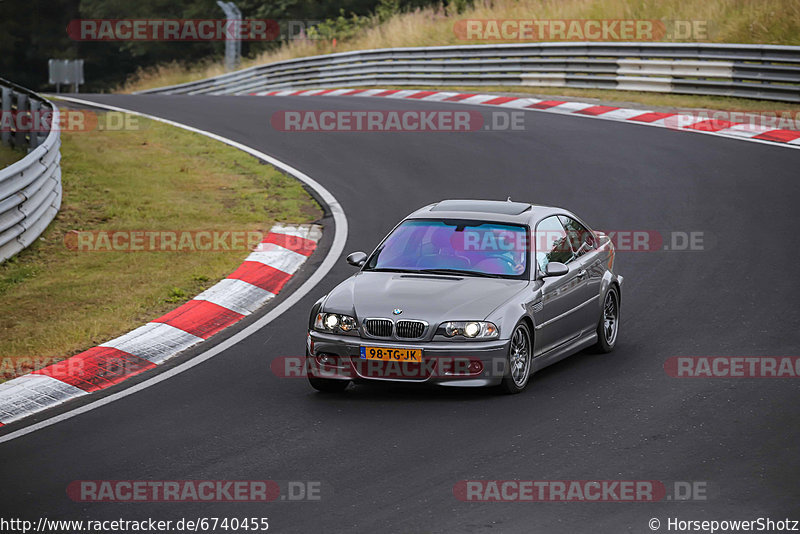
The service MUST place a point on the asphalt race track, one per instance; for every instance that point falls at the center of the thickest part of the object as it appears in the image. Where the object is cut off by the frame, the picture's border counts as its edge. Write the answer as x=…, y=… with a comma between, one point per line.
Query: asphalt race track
x=388, y=457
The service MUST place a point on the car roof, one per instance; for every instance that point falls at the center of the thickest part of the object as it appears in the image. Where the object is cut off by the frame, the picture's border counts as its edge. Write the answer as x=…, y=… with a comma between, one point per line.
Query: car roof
x=490, y=210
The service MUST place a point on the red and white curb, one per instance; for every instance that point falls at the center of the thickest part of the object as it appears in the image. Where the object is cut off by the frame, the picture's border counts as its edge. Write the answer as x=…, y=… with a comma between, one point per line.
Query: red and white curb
x=257, y=280
x=674, y=121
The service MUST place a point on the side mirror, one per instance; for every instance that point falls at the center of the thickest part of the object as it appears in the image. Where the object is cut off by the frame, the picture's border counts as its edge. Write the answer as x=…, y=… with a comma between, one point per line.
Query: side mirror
x=357, y=259
x=555, y=268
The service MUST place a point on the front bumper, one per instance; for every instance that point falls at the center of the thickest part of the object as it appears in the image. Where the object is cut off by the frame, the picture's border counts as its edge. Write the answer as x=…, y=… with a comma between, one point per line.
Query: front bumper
x=447, y=363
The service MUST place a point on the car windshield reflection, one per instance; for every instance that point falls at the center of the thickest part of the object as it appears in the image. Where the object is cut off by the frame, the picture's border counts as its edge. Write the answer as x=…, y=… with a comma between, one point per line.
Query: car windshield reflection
x=455, y=247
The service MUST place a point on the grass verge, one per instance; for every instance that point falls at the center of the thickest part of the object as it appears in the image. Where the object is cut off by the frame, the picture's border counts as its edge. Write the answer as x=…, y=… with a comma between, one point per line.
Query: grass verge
x=8, y=156
x=55, y=302
x=727, y=21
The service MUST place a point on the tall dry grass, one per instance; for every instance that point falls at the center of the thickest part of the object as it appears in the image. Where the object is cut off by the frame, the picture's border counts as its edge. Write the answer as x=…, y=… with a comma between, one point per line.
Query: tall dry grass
x=729, y=21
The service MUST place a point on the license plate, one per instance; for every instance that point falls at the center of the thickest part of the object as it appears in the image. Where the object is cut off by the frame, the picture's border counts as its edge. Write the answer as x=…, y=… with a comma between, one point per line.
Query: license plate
x=387, y=354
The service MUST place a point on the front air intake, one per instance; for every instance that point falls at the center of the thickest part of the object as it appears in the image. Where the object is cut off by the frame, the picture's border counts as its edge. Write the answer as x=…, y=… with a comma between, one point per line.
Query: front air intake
x=410, y=329
x=378, y=327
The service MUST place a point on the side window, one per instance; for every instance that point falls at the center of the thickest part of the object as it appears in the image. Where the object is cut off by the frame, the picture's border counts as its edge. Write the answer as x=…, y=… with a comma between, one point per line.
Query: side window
x=551, y=243
x=581, y=239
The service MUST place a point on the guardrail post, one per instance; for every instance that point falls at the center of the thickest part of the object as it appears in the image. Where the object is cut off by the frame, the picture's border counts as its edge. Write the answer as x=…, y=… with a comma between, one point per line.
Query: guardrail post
x=35, y=106
x=20, y=139
x=5, y=106
x=233, y=45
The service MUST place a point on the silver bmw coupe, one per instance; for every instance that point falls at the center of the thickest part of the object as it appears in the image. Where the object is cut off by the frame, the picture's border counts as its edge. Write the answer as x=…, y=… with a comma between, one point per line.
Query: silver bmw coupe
x=468, y=293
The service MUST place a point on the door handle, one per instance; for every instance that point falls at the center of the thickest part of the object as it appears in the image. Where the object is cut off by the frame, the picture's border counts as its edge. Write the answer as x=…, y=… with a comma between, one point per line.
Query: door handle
x=582, y=273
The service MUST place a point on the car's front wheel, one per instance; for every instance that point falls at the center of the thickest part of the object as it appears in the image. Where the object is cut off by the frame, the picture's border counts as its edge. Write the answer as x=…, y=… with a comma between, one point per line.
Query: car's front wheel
x=518, y=364
x=328, y=385
x=608, y=327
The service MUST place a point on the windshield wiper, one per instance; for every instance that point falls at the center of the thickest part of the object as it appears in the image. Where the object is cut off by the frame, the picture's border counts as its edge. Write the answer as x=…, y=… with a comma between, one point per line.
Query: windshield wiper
x=390, y=270
x=461, y=272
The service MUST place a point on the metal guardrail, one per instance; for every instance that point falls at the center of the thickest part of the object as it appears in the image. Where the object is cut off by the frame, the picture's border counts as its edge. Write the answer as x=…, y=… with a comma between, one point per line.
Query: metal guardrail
x=30, y=189
x=749, y=71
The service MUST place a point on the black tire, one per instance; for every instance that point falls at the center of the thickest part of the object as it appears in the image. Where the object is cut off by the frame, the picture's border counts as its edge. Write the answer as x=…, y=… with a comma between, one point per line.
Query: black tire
x=517, y=376
x=608, y=326
x=328, y=385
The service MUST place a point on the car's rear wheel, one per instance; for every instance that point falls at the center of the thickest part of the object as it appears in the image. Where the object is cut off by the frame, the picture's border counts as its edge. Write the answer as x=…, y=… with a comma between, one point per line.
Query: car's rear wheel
x=518, y=364
x=608, y=327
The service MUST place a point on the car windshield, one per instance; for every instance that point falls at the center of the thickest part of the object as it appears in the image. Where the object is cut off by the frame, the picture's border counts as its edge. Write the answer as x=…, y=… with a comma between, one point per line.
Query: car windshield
x=473, y=248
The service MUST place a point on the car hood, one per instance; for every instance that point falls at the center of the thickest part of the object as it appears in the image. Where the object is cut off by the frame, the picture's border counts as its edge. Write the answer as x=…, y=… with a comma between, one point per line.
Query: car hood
x=431, y=298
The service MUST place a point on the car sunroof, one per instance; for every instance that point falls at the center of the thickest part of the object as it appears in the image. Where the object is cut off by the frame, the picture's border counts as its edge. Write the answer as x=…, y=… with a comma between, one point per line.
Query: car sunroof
x=484, y=206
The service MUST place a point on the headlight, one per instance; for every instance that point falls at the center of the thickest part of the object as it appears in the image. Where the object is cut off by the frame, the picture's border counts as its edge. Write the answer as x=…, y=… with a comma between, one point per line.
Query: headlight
x=470, y=329
x=332, y=322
